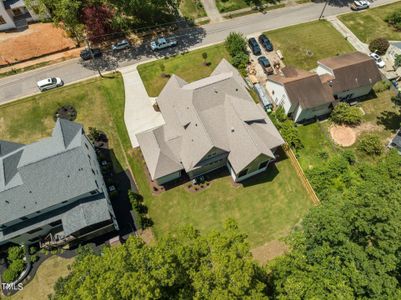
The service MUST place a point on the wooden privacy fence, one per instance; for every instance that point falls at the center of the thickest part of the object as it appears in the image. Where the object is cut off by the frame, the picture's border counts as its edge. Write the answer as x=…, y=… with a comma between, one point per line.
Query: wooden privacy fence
x=301, y=174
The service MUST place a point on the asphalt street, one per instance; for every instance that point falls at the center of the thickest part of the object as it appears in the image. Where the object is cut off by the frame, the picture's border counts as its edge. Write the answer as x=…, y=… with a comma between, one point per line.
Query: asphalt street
x=24, y=84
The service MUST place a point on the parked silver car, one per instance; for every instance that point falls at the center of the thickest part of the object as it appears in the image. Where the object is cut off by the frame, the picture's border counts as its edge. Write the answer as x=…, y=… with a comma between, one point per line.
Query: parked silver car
x=49, y=83
x=121, y=45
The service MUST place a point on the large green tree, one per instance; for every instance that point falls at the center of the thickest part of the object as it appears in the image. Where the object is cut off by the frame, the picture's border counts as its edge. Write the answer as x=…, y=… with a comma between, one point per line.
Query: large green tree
x=184, y=266
x=351, y=245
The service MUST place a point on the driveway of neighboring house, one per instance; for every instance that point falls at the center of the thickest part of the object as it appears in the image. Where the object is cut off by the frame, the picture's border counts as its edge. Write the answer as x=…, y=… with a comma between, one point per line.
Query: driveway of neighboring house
x=139, y=114
x=212, y=11
x=38, y=40
x=348, y=34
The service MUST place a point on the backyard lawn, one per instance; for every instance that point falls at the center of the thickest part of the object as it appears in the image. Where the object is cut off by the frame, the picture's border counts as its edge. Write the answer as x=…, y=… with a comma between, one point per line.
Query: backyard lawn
x=381, y=116
x=189, y=66
x=370, y=24
x=303, y=45
x=192, y=9
x=42, y=284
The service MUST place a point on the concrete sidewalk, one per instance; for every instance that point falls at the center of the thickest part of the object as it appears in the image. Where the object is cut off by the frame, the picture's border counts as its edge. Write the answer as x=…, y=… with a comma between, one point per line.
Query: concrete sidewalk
x=348, y=34
x=212, y=11
x=139, y=114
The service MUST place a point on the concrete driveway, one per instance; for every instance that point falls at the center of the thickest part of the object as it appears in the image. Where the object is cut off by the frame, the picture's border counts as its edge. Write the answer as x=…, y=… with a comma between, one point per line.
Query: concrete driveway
x=139, y=114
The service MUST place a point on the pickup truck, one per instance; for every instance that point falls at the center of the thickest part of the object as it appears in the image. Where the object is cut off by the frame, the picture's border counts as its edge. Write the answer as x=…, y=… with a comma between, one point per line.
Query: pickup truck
x=162, y=43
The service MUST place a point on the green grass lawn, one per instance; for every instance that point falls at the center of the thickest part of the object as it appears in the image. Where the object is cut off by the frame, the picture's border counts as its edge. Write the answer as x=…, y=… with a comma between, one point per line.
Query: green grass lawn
x=231, y=5
x=31, y=119
x=370, y=24
x=303, y=45
x=381, y=117
x=192, y=9
x=266, y=207
x=189, y=66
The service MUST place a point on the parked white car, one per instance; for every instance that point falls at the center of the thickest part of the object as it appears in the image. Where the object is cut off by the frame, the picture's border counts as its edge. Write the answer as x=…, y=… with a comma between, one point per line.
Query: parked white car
x=49, y=83
x=378, y=60
x=121, y=45
x=162, y=43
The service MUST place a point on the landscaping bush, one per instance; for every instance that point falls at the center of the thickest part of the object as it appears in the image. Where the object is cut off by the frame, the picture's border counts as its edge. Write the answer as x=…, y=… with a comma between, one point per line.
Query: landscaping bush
x=67, y=112
x=236, y=46
x=379, y=45
x=343, y=113
x=371, y=144
x=381, y=86
x=96, y=135
x=394, y=19
x=397, y=61
x=349, y=155
x=15, y=253
x=287, y=128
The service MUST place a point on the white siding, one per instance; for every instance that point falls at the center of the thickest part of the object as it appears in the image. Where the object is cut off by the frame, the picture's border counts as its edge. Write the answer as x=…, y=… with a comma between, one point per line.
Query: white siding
x=309, y=113
x=321, y=70
x=351, y=94
x=279, y=96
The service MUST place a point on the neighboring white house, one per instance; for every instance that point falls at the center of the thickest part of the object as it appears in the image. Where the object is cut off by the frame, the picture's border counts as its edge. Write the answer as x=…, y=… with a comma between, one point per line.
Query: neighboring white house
x=302, y=94
x=350, y=75
x=14, y=14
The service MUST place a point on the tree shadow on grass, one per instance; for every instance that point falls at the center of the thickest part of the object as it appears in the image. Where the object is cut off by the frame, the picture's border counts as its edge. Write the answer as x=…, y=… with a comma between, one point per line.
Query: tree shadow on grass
x=390, y=120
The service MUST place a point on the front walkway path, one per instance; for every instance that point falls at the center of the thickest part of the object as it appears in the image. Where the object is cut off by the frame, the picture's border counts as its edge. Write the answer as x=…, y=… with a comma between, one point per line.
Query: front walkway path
x=212, y=11
x=139, y=114
x=348, y=34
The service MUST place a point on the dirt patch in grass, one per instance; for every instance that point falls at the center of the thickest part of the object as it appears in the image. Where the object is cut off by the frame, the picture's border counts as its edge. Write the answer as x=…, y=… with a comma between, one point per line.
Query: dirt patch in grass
x=268, y=251
x=147, y=236
x=343, y=135
x=40, y=39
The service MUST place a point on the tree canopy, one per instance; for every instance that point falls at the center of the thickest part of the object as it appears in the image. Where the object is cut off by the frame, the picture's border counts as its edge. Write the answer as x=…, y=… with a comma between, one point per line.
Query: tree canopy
x=184, y=266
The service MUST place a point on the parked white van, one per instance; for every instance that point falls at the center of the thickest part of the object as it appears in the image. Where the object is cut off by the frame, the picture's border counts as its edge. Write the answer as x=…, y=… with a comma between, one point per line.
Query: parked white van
x=49, y=83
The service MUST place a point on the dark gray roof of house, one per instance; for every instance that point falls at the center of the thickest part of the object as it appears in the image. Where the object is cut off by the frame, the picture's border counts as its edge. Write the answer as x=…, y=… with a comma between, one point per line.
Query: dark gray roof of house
x=43, y=174
x=8, y=147
x=85, y=214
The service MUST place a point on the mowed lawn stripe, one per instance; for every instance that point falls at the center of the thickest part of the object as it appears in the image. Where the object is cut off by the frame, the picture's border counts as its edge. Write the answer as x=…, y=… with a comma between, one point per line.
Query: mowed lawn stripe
x=304, y=44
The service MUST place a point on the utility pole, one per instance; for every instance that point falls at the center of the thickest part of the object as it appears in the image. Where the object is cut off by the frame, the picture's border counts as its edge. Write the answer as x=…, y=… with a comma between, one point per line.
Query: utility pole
x=93, y=57
x=324, y=7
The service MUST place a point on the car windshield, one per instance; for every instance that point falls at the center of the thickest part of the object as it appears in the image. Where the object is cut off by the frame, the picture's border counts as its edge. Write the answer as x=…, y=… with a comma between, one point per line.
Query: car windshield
x=54, y=80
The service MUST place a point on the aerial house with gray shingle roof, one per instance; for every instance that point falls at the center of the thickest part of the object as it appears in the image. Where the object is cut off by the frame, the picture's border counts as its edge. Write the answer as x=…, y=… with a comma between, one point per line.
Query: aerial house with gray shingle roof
x=209, y=124
x=53, y=186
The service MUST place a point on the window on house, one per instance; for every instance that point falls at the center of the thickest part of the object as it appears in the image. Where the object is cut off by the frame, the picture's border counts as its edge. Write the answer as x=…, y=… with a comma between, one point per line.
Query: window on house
x=243, y=173
x=55, y=223
x=24, y=218
x=97, y=184
x=2, y=21
x=93, y=171
x=263, y=164
x=34, y=230
x=93, y=192
x=86, y=145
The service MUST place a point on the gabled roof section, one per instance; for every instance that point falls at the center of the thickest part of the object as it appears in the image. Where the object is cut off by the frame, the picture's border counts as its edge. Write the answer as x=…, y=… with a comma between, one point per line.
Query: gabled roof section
x=158, y=154
x=351, y=71
x=8, y=147
x=10, y=166
x=69, y=130
x=303, y=88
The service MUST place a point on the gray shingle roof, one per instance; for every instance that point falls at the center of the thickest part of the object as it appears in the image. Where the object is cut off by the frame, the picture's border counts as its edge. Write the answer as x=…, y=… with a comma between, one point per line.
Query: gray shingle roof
x=85, y=214
x=214, y=112
x=43, y=174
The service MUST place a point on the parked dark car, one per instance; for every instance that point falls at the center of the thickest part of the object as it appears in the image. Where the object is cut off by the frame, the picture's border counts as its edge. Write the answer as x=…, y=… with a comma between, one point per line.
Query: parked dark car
x=253, y=44
x=86, y=53
x=265, y=42
x=265, y=63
